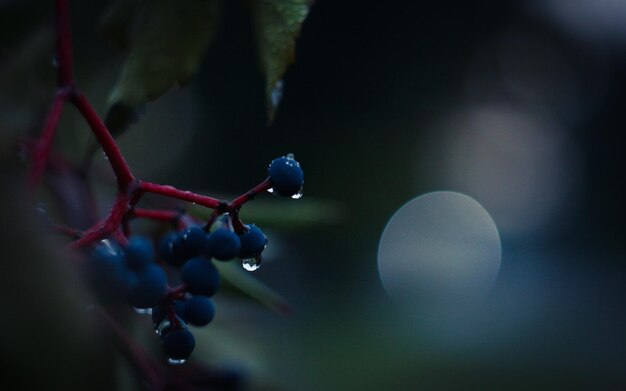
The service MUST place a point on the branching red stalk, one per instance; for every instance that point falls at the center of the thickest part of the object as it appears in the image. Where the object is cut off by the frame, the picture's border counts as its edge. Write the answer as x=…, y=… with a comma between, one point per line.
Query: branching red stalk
x=130, y=189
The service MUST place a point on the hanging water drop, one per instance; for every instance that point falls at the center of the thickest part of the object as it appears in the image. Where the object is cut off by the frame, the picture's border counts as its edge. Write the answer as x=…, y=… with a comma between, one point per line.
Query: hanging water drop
x=176, y=361
x=299, y=194
x=251, y=264
x=270, y=190
x=165, y=323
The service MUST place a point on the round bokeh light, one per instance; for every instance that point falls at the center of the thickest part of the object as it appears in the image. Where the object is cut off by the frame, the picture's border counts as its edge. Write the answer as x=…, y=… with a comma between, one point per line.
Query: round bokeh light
x=440, y=252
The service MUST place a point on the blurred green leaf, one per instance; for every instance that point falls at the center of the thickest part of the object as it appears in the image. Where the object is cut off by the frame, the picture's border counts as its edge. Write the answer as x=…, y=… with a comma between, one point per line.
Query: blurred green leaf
x=277, y=25
x=168, y=44
x=243, y=282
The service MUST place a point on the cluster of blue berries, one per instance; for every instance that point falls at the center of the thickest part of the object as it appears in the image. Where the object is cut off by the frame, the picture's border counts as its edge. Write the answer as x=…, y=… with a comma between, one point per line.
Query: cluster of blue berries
x=131, y=271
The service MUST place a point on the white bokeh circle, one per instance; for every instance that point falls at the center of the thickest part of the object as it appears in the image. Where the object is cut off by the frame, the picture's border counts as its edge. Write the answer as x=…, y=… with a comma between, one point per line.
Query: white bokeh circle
x=439, y=252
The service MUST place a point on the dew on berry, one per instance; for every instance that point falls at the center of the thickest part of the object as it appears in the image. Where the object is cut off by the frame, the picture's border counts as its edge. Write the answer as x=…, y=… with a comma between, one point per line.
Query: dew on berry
x=164, y=325
x=175, y=361
x=251, y=264
x=299, y=194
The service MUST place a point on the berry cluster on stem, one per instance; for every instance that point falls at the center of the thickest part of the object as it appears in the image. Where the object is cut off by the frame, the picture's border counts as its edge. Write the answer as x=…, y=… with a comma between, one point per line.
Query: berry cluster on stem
x=127, y=262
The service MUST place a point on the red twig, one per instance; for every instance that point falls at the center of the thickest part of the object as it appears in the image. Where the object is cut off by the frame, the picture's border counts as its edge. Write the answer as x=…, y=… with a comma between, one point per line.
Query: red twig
x=107, y=226
x=173, y=192
x=176, y=292
x=42, y=150
x=242, y=199
x=155, y=214
x=106, y=140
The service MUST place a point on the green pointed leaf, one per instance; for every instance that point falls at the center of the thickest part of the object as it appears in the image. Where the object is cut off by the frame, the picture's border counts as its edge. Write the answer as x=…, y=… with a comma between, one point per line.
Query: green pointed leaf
x=169, y=42
x=277, y=24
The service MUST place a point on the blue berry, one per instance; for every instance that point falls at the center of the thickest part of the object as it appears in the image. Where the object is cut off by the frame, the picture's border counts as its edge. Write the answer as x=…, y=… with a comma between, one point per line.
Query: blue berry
x=198, y=311
x=139, y=253
x=178, y=343
x=201, y=276
x=253, y=242
x=107, y=272
x=149, y=288
x=191, y=243
x=223, y=244
x=286, y=175
x=166, y=248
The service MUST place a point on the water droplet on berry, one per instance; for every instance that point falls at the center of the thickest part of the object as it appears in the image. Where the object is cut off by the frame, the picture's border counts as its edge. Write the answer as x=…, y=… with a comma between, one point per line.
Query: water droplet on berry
x=270, y=190
x=176, y=361
x=143, y=311
x=299, y=194
x=162, y=326
x=251, y=264
x=165, y=324
x=290, y=156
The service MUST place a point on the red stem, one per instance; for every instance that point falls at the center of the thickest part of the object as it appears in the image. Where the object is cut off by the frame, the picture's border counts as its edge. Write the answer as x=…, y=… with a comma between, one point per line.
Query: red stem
x=106, y=140
x=155, y=214
x=173, y=192
x=175, y=292
x=242, y=199
x=42, y=150
x=106, y=227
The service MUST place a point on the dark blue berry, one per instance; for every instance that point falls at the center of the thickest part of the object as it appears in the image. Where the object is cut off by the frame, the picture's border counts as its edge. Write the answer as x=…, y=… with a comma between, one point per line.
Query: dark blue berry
x=253, y=242
x=149, y=288
x=191, y=243
x=166, y=248
x=223, y=244
x=107, y=271
x=178, y=343
x=199, y=311
x=201, y=276
x=139, y=253
x=286, y=175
